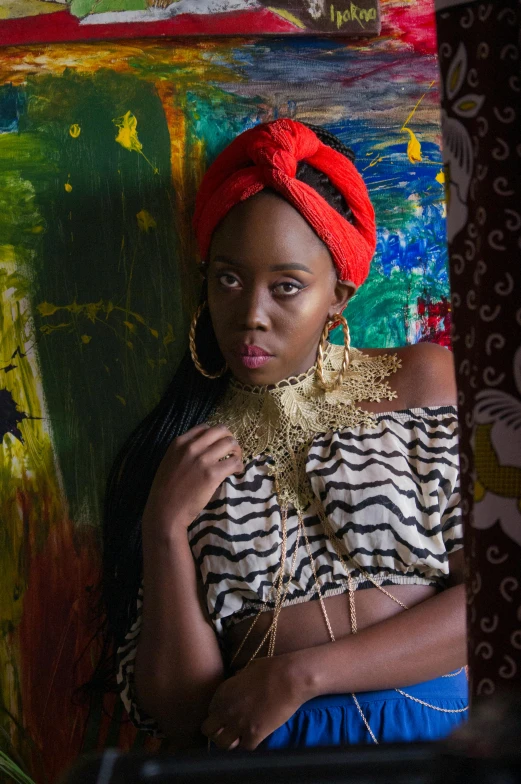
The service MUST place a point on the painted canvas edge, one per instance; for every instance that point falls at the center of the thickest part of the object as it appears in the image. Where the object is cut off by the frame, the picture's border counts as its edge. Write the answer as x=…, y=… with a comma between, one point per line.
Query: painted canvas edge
x=63, y=27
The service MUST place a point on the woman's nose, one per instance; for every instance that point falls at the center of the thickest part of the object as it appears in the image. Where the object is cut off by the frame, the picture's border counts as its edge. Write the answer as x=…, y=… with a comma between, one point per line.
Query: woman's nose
x=254, y=311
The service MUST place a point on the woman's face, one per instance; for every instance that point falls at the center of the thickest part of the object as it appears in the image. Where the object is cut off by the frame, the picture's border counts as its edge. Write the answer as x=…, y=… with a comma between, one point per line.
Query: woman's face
x=271, y=288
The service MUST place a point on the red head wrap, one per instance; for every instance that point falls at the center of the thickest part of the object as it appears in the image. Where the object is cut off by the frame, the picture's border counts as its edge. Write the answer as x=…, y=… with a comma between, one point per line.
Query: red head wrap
x=266, y=157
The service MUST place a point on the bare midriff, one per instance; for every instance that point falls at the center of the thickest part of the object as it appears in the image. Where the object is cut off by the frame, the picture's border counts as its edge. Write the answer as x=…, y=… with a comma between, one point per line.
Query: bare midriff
x=303, y=626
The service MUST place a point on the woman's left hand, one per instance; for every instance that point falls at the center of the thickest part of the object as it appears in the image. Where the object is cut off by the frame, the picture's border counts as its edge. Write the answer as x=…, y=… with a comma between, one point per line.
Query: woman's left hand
x=250, y=705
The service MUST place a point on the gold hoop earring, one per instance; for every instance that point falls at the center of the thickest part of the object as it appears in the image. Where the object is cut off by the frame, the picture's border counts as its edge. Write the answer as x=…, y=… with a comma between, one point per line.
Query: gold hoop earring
x=193, y=350
x=329, y=386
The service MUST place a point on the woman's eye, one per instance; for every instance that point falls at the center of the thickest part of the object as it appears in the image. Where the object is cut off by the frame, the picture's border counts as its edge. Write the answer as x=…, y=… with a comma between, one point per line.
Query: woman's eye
x=229, y=281
x=287, y=288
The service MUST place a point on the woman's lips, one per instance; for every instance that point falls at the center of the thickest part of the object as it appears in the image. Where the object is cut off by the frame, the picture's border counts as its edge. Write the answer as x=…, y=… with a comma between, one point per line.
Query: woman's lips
x=253, y=356
x=254, y=362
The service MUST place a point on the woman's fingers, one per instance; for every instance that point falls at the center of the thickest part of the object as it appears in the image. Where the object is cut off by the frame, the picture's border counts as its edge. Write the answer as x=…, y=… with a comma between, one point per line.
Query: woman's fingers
x=248, y=741
x=211, y=726
x=224, y=448
x=203, y=438
x=193, y=433
x=225, y=738
x=210, y=446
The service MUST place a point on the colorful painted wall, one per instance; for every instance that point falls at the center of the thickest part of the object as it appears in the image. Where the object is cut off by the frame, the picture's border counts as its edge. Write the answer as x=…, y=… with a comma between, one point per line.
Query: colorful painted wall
x=101, y=149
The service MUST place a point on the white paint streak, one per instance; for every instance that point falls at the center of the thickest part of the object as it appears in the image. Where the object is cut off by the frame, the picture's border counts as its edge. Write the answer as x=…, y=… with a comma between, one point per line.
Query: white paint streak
x=153, y=14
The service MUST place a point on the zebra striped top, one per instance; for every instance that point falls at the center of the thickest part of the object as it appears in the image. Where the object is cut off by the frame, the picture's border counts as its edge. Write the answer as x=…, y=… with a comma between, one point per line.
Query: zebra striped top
x=390, y=492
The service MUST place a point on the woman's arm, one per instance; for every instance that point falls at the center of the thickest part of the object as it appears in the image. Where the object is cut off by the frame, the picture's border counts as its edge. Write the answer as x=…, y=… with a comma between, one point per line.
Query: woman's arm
x=178, y=661
x=424, y=642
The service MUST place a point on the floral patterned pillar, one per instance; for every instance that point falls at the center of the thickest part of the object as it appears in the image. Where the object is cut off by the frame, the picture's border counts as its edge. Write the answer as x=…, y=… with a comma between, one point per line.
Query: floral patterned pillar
x=480, y=61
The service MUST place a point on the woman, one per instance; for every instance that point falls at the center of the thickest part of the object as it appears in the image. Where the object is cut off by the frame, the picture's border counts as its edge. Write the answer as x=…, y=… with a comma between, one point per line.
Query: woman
x=291, y=506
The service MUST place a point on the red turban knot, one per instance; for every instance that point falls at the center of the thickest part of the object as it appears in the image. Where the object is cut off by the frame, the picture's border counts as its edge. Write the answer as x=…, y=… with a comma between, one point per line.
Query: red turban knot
x=267, y=156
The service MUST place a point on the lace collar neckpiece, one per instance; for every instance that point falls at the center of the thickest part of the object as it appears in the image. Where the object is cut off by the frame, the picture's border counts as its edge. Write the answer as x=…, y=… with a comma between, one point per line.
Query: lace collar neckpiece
x=281, y=420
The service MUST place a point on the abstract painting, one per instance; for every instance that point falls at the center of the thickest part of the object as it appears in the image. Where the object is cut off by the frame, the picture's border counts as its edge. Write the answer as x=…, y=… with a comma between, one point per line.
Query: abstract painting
x=38, y=21
x=101, y=151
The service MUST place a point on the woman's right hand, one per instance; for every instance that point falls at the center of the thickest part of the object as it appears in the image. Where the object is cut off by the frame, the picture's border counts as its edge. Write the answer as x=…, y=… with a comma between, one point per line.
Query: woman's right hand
x=188, y=476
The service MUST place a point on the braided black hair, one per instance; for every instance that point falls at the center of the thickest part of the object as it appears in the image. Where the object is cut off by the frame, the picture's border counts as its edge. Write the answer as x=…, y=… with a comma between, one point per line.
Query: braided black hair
x=187, y=402
x=320, y=181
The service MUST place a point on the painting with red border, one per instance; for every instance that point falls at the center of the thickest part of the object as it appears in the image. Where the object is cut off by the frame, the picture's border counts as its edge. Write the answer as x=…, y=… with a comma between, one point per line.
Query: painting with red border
x=52, y=21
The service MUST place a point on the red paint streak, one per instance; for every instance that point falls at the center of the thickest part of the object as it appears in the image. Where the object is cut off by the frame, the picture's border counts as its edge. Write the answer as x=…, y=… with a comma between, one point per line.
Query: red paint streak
x=63, y=26
x=55, y=629
x=349, y=80
x=54, y=644
x=435, y=321
x=412, y=23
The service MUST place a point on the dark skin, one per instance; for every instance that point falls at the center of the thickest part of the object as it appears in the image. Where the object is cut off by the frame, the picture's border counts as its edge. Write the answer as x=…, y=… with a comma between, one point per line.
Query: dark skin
x=272, y=283
x=276, y=292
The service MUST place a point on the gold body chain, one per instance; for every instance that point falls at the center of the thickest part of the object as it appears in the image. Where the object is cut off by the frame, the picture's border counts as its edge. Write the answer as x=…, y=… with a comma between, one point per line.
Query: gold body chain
x=281, y=422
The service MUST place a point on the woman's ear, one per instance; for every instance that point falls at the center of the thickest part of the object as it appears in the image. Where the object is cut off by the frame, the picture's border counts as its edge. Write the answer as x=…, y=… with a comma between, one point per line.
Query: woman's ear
x=344, y=290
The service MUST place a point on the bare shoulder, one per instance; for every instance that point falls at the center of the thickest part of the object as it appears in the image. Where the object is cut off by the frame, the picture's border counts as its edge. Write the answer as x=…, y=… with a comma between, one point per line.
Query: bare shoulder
x=426, y=376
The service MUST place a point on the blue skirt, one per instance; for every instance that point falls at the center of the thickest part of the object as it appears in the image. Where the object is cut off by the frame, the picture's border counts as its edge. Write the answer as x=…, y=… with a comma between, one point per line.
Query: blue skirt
x=334, y=719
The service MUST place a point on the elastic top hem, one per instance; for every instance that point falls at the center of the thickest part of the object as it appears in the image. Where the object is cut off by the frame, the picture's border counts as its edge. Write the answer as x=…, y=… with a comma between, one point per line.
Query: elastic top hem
x=358, y=582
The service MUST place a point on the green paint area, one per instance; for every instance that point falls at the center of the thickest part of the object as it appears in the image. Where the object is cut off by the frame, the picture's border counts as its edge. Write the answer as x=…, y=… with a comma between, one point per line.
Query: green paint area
x=105, y=288
x=84, y=7
x=93, y=222
x=197, y=68
x=382, y=311
x=217, y=119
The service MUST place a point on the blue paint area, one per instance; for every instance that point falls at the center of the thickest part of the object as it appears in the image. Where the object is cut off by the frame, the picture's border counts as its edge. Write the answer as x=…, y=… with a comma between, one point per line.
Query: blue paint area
x=12, y=104
x=421, y=246
x=407, y=200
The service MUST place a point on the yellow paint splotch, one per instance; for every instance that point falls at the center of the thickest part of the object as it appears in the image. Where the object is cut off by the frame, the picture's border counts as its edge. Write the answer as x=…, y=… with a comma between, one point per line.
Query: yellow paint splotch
x=145, y=221
x=127, y=135
x=128, y=138
x=169, y=337
x=94, y=312
x=414, y=150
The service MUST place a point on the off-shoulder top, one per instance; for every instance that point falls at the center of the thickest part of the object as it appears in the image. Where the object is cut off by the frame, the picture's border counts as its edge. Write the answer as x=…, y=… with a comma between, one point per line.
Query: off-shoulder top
x=390, y=493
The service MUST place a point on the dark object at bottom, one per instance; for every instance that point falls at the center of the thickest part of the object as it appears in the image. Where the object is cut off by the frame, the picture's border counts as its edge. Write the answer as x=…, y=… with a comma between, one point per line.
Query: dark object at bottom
x=426, y=763
x=486, y=750
x=375, y=765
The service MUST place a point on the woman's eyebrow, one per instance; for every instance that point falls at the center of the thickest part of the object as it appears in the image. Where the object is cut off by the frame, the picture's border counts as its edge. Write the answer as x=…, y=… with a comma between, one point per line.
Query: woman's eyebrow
x=227, y=260
x=273, y=268
x=290, y=266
